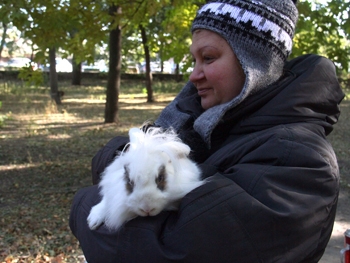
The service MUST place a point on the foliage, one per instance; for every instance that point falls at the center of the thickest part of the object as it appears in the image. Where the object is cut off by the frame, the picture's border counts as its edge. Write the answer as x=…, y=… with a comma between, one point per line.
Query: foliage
x=324, y=29
x=30, y=76
x=178, y=23
x=7, y=16
x=78, y=27
x=168, y=30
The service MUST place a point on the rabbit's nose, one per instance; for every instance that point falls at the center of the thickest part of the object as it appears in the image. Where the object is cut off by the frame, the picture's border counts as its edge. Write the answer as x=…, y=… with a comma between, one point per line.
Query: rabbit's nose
x=147, y=211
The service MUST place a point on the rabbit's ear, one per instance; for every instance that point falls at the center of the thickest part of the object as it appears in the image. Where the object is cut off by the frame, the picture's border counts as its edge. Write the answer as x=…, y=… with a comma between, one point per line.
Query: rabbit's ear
x=180, y=149
x=136, y=135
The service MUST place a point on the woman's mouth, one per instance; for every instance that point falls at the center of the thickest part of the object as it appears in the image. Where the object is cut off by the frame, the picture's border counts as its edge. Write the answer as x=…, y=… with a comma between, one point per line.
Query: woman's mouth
x=203, y=92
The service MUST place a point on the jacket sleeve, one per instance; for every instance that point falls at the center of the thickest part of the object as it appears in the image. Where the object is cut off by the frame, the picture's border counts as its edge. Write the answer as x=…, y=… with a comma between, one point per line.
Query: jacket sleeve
x=265, y=206
x=105, y=156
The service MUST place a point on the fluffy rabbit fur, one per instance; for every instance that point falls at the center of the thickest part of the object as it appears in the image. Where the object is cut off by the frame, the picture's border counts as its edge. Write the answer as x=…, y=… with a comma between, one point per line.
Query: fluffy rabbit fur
x=152, y=175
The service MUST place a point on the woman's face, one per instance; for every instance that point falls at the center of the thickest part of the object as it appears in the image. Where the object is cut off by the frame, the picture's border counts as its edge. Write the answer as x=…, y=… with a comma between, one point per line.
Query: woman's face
x=217, y=73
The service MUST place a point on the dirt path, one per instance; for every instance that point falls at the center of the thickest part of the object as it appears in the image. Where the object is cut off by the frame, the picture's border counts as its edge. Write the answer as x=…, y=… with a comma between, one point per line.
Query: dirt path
x=342, y=222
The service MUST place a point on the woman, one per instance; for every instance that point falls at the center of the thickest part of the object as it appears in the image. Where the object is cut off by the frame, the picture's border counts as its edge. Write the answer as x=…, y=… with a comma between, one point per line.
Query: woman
x=257, y=127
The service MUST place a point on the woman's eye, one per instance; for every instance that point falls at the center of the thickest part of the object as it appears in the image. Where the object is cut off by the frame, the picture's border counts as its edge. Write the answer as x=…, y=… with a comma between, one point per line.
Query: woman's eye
x=208, y=59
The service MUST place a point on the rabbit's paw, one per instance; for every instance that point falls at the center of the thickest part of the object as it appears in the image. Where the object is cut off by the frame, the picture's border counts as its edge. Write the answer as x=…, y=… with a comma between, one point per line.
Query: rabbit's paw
x=96, y=217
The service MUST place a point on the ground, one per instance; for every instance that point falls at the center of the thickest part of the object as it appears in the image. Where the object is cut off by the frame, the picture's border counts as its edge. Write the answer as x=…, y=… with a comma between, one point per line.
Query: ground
x=340, y=138
x=342, y=222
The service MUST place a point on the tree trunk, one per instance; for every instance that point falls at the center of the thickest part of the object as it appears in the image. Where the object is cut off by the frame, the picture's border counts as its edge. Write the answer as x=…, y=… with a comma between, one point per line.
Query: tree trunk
x=76, y=73
x=177, y=73
x=53, y=77
x=148, y=65
x=113, y=82
x=2, y=44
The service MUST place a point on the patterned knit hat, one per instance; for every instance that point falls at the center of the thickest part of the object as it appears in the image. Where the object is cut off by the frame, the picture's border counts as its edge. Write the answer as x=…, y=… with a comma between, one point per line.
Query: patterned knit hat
x=260, y=32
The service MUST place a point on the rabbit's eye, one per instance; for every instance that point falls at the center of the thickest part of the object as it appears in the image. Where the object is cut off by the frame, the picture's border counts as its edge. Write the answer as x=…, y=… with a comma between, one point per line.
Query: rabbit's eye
x=129, y=184
x=161, y=178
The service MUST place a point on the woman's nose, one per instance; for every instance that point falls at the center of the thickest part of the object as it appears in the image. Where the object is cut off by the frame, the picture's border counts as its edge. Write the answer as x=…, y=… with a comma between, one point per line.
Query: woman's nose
x=196, y=74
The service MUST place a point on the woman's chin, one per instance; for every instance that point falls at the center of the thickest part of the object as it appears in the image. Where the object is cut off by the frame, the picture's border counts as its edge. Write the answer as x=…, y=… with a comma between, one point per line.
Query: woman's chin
x=207, y=103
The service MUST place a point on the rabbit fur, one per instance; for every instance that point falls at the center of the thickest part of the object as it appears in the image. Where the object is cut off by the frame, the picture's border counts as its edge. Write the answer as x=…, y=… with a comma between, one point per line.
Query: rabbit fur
x=152, y=175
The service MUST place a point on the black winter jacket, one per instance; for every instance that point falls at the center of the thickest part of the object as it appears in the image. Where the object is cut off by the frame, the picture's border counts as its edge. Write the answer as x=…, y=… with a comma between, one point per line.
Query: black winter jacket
x=272, y=185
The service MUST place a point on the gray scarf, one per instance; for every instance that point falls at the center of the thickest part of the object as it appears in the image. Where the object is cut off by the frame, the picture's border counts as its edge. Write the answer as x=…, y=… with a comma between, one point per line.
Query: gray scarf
x=204, y=125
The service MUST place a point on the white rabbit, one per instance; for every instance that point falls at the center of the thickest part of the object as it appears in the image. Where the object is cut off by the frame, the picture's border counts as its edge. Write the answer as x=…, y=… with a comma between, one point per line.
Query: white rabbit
x=152, y=175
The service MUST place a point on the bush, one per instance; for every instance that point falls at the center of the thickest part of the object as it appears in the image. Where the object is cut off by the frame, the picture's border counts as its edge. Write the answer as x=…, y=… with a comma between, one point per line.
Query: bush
x=30, y=76
x=2, y=117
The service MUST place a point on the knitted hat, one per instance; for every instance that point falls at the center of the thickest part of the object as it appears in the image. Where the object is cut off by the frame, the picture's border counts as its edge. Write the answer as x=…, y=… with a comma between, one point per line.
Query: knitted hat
x=260, y=32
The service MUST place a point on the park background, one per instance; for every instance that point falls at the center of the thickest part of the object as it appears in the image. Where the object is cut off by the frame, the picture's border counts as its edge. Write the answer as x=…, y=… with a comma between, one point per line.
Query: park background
x=92, y=70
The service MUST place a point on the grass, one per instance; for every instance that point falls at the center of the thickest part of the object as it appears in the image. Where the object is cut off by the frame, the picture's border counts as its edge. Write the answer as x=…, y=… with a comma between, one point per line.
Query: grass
x=45, y=156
